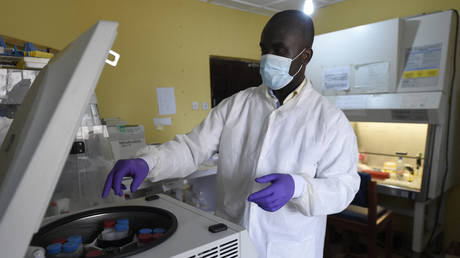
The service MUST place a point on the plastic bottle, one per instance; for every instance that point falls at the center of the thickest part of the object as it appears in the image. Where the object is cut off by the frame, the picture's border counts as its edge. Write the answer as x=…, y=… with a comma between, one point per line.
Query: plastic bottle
x=121, y=231
x=71, y=250
x=400, y=169
x=53, y=250
x=109, y=236
x=109, y=228
x=202, y=203
x=144, y=239
x=157, y=235
x=77, y=239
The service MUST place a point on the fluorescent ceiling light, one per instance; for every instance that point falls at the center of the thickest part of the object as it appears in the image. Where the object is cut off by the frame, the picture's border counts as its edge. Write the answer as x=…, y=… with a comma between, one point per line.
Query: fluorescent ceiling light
x=308, y=7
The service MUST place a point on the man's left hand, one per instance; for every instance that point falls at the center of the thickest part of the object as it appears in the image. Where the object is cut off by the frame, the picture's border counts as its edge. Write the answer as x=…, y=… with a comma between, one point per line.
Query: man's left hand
x=275, y=196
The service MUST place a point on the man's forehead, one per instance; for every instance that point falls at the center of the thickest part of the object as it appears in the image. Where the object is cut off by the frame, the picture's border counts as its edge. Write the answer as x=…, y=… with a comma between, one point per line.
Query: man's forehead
x=280, y=36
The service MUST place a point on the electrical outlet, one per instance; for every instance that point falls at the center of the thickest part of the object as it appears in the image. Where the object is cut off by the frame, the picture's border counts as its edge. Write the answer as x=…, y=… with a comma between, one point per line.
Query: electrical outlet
x=195, y=105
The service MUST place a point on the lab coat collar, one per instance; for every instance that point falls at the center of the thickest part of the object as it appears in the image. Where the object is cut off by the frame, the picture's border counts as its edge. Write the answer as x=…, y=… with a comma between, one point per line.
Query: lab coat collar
x=301, y=91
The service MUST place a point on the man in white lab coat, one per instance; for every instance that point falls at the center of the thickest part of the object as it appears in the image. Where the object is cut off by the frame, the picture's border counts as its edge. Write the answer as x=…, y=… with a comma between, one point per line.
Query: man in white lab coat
x=287, y=157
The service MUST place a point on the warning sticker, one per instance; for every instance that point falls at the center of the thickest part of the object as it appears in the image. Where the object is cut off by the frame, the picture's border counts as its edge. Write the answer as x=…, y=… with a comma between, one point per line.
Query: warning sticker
x=422, y=66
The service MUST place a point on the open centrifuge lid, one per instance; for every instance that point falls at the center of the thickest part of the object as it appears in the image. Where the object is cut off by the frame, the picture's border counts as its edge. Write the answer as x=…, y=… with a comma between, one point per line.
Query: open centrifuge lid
x=39, y=140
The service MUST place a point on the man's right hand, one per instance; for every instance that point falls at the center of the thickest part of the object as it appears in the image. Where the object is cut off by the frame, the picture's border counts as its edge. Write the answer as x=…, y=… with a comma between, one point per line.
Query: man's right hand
x=138, y=169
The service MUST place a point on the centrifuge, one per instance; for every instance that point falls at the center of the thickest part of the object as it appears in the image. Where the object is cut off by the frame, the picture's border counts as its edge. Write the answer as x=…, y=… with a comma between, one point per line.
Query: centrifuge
x=32, y=157
x=189, y=232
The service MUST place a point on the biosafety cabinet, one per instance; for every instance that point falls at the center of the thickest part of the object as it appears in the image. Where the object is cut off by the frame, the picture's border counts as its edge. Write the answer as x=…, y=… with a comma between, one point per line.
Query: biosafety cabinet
x=397, y=82
x=33, y=155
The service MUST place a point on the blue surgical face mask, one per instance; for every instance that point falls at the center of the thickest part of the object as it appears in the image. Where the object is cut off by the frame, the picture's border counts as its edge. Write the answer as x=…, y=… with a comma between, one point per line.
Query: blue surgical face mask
x=275, y=70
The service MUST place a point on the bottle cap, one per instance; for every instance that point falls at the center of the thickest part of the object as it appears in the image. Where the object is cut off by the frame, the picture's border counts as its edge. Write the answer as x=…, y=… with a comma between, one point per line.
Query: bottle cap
x=145, y=231
x=121, y=227
x=70, y=247
x=159, y=230
x=123, y=221
x=109, y=223
x=54, y=248
x=75, y=238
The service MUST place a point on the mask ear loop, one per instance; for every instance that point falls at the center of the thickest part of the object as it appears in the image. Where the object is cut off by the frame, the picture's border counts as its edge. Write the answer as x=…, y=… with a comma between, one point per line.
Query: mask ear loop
x=298, y=54
x=300, y=68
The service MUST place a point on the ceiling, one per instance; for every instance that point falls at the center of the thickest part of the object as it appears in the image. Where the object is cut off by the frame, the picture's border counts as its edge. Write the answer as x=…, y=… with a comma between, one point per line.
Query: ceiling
x=268, y=7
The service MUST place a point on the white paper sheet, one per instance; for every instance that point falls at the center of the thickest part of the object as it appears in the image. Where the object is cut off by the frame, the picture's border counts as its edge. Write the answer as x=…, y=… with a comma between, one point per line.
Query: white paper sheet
x=28, y=74
x=422, y=66
x=162, y=121
x=3, y=74
x=166, y=101
x=159, y=122
x=336, y=78
x=14, y=77
x=372, y=75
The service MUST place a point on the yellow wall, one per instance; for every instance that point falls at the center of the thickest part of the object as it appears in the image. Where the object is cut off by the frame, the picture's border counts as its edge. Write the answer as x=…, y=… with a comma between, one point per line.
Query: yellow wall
x=350, y=13
x=50, y=23
x=163, y=43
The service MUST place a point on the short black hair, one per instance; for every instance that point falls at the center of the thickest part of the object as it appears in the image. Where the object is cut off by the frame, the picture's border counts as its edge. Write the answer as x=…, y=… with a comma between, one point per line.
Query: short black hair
x=296, y=19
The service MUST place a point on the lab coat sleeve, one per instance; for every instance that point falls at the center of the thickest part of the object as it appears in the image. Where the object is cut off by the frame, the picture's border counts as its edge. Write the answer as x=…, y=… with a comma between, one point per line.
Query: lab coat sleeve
x=181, y=156
x=337, y=180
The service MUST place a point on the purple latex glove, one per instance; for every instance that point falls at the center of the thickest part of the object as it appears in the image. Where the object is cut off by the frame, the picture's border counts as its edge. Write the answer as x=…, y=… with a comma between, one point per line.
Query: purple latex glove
x=138, y=169
x=275, y=196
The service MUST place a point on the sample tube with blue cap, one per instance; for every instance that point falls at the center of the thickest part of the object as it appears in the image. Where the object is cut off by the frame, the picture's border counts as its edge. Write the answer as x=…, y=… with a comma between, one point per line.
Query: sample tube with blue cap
x=75, y=238
x=53, y=250
x=78, y=240
x=121, y=231
x=71, y=250
x=159, y=230
x=158, y=233
x=123, y=221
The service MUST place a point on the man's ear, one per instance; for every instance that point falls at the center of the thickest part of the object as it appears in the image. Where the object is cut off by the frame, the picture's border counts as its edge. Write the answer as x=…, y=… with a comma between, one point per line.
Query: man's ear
x=308, y=55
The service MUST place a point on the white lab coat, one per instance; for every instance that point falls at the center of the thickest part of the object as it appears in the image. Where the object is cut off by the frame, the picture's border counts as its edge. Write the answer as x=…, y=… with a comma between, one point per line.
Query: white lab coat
x=307, y=136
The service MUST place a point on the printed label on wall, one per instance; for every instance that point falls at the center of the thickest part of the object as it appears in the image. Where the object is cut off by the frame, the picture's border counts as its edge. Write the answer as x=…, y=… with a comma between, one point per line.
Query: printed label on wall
x=372, y=76
x=337, y=78
x=422, y=66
